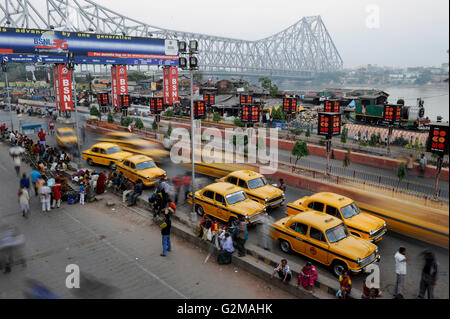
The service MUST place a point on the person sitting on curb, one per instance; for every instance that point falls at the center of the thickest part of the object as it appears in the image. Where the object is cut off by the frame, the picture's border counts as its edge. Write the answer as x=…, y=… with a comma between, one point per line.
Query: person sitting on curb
x=283, y=271
x=137, y=191
x=225, y=254
x=307, y=276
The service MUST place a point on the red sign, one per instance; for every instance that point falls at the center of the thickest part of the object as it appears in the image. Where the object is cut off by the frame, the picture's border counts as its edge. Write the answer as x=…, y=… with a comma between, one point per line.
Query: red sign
x=119, y=83
x=199, y=109
x=438, y=140
x=392, y=113
x=332, y=107
x=63, y=88
x=171, y=86
x=210, y=99
x=329, y=124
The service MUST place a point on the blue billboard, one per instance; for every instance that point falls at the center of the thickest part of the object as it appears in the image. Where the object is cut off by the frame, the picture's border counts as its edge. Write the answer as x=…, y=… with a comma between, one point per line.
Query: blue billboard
x=51, y=47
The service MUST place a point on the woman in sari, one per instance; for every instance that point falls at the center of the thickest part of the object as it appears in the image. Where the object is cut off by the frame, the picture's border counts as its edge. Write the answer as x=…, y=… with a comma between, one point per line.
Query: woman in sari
x=307, y=277
x=101, y=183
x=345, y=283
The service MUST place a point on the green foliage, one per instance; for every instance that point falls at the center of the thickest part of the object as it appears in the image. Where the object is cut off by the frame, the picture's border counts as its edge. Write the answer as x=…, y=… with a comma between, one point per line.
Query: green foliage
x=347, y=159
x=344, y=135
x=126, y=121
x=216, y=117
x=400, y=141
x=136, y=76
x=238, y=122
x=169, y=130
x=323, y=141
x=110, y=118
x=401, y=172
x=273, y=90
x=373, y=140
x=278, y=114
x=297, y=131
x=308, y=132
x=139, y=124
x=169, y=113
x=416, y=143
x=154, y=125
x=266, y=83
x=362, y=143
x=95, y=112
x=300, y=150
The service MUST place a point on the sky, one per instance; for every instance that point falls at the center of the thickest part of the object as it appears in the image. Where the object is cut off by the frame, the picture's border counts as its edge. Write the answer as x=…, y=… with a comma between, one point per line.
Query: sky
x=408, y=32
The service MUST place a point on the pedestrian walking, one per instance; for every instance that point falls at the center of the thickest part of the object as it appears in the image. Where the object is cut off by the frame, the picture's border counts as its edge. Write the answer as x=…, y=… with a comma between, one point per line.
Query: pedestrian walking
x=241, y=236
x=429, y=278
x=24, y=201
x=264, y=231
x=35, y=176
x=423, y=163
x=165, y=232
x=42, y=137
x=82, y=192
x=25, y=182
x=17, y=163
x=307, y=276
x=283, y=271
x=345, y=286
x=51, y=127
x=45, y=192
x=401, y=260
x=56, y=191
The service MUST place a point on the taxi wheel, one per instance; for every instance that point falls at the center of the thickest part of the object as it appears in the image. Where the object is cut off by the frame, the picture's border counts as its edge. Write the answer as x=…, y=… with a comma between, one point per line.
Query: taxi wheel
x=339, y=268
x=285, y=246
x=90, y=162
x=199, y=210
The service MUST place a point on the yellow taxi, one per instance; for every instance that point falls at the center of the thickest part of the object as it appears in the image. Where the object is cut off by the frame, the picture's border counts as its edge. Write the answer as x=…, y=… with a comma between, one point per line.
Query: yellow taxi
x=66, y=137
x=105, y=154
x=227, y=202
x=140, y=167
x=359, y=223
x=133, y=144
x=325, y=239
x=256, y=187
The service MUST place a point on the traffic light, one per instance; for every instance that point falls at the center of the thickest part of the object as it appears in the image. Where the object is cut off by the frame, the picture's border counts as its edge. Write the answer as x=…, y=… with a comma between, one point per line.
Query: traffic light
x=156, y=104
x=183, y=63
x=250, y=113
x=438, y=139
x=392, y=113
x=182, y=47
x=193, y=62
x=199, y=109
x=103, y=99
x=330, y=124
x=290, y=105
x=246, y=100
x=124, y=100
x=210, y=99
x=332, y=107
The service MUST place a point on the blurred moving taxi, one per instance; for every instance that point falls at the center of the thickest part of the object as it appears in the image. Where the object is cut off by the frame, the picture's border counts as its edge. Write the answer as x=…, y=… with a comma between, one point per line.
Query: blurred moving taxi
x=66, y=137
x=360, y=224
x=105, y=154
x=325, y=239
x=227, y=202
x=140, y=167
x=256, y=187
x=133, y=144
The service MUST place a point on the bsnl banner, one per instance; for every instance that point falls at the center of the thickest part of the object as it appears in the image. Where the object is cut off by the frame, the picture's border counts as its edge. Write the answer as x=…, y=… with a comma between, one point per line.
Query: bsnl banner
x=87, y=45
x=63, y=88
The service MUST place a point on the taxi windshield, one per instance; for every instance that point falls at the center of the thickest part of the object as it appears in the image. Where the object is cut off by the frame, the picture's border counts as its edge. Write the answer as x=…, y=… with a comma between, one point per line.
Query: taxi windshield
x=350, y=210
x=145, y=165
x=337, y=233
x=257, y=183
x=113, y=150
x=66, y=134
x=236, y=198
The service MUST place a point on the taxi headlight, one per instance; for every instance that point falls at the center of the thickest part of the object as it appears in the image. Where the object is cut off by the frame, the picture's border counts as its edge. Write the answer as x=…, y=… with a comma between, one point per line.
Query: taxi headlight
x=266, y=199
x=371, y=233
x=384, y=225
x=148, y=178
x=359, y=261
x=283, y=194
x=377, y=250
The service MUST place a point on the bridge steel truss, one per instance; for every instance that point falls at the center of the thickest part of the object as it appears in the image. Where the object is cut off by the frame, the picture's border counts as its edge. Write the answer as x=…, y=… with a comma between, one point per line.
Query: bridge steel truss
x=302, y=50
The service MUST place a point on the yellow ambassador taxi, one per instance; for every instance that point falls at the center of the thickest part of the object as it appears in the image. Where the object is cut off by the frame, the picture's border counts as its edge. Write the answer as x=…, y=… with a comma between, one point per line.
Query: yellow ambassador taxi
x=66, y=137
x=131, y=143
x=140, y=167
x=256, y=187
x=105, y=154
x=325, y=239
x=359, y=224
x=227, y=202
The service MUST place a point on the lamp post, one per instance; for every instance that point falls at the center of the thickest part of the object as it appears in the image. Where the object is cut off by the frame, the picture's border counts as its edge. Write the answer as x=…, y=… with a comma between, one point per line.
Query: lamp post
x=191, y=66
x=71, y=67
x=8, y=99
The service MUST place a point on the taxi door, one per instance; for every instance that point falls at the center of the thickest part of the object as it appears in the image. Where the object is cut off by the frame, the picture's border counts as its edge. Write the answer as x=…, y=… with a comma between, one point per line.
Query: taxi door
x=221, y=208
x=103, y=159
x=298, y=230
x=94, y=155
x=207, y=203
x=317, y=246
x=124, y=170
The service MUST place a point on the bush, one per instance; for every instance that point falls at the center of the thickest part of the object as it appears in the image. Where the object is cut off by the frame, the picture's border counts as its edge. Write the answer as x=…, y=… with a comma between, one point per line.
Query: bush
x=139, y=124
x=400, y=141
x=300, y=150
x=297, y=131
x=169, y=130
x=323, y=141
x=344, y=135
x=169, y=113
x=308, y=132
x=216, y=117
x=238, y=122
x=154, y=125
x=95, y=112
x=126, y=121
x=401, y=173
x=110, y=118
x=373, y=140
x=347, y=159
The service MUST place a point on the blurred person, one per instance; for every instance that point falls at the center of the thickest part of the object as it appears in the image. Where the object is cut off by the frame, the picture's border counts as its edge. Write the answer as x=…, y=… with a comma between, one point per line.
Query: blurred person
x=283, y=186
x=178, y=184
x=370, y=292
x=57, y=196
x=25, y=182
x=429, y=277
x=264, y=231
x=241, y=236
x=307, y=276
x=345, y=285
x=401, y=260
x=45, y=192
x=283, y=271
x=423, y=163
x=129, y=186
x=35, y=176
x=187, y=181
x=82, y=192
x=42, y=137
x=24, y=201
x=101, y=181
x=11, y=242
x=17, y=159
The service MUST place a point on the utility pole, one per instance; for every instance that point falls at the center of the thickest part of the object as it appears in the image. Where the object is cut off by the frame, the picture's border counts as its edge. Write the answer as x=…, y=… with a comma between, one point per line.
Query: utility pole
x=71, y=67
x=8, y=98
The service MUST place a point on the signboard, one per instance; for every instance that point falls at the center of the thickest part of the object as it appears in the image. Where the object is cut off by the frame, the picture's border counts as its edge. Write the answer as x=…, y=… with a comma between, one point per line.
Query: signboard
x=290, y=105
x=438, y=140
x=246, y=100
x=199, y=109
x=392, y=113
x=88, y=46
x=329, y=124
x=119, y=83
x=156, y=104
x=332, y=107
x=28, y=130
x=170, y=76
x=63, y=88
x=210, y=99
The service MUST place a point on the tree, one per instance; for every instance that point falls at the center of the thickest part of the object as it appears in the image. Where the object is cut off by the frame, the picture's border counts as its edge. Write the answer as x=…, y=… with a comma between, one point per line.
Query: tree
x=238, y=122
x=154, y=125
x=266, y=83
x=273, y=90
x=401, y=173
x=169, y=130
x=95, y=112
x=139, y=124
x=278, y=114
x=344, y=135
x=169, y=113
x=308, y=132
x=125, y=121
x=373, y=140
x=216, y=117
x=110, y=118
x=300, y=150
x=347, y=159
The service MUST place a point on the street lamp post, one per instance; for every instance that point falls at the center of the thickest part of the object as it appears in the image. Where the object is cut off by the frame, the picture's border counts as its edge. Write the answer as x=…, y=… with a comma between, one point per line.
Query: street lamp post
x=71, y=67
x=8, y=96
x=193, y=65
